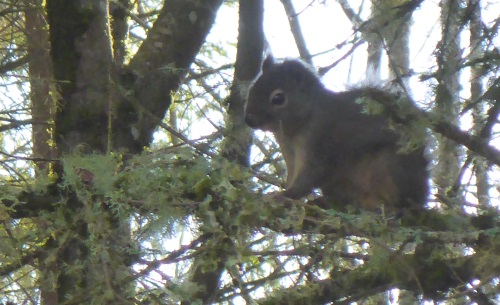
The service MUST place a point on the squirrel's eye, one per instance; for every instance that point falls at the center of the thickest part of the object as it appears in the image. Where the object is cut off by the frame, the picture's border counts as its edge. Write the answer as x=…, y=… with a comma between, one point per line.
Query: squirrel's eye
x=278, y=99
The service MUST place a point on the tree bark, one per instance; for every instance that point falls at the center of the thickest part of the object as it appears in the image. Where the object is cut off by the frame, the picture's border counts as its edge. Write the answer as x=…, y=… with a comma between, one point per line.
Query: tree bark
x=392, y=22
x=158, y=68
x=82, y=60
x=42, y=111
x=447, y=95
x=477, y=90
x=41, y=82
x=374, y=39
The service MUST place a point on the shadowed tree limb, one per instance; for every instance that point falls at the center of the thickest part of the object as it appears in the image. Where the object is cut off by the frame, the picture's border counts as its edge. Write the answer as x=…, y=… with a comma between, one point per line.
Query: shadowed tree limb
x=12, y=65
x=406, y=272
x=412, y=113
x=25, y=259
x=32, y=204
x=159, y=66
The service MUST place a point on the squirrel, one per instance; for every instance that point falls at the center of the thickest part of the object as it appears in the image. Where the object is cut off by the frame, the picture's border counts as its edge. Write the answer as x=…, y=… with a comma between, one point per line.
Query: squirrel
x=327, y=141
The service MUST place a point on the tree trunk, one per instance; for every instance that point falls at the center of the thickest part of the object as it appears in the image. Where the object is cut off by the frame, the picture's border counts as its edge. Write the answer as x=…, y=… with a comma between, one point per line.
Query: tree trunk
x=41, y=82
x=447, y=95
x=82, y=61
x=42, y=110
x=476, y=90
x=392, y=30
x=158, y=68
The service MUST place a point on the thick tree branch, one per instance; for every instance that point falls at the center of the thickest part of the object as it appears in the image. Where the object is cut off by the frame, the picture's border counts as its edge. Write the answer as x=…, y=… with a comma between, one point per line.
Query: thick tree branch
x=472, y=142
x=405, y=272
x=9, y=66
x=25, y=259
x=159, y=66
x=31, y=204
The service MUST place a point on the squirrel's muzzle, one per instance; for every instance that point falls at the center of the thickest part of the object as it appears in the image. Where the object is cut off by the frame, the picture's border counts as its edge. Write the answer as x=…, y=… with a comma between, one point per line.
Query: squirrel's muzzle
x=252, y=120
x=260, y=122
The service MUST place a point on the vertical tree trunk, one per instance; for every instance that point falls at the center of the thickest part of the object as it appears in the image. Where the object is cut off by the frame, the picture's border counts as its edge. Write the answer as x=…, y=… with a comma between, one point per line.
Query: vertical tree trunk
x=447, y=95
x=42, y=109
x=82, y=62
x=83, y=70
x=392, y=26
x=397, y=37
x=374, y=40
x=238, y=138
x=374, y=60
x=119, y=30
x=247, y=66
x=40, y=75
x=476, y=90
x=82, y=59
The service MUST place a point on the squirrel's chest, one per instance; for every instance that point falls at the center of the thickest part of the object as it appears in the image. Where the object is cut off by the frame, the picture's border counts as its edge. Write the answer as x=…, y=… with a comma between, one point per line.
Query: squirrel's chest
x=295, y=147
x=294, y=150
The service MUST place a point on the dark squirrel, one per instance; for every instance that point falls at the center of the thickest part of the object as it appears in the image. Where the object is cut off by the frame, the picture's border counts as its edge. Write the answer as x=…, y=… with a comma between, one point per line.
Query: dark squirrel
x=329, y=143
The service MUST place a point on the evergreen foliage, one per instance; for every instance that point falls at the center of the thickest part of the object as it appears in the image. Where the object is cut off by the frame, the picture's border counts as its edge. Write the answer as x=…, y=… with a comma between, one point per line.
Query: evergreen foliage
x=127, y=175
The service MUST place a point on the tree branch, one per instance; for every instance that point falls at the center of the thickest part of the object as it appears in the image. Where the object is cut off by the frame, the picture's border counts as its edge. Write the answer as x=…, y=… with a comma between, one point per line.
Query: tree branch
x=25, y=259
x=14, y=64
x=158, y=67
x=405, y=272
x=300, y=41
x=31, y=204
x=474, y=143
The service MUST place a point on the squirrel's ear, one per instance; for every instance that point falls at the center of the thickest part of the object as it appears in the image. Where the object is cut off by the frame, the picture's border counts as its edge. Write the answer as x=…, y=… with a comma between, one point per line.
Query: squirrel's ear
x=268, y=63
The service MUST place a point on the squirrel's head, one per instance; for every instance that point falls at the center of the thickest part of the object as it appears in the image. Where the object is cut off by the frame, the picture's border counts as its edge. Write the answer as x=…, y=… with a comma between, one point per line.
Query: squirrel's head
x=283, y=93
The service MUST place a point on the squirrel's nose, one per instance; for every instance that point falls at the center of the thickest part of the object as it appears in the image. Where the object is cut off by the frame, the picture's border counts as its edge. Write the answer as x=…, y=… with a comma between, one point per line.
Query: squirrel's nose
x=251, y=120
